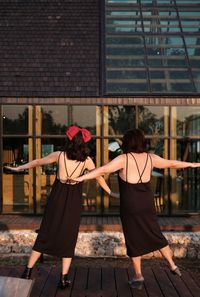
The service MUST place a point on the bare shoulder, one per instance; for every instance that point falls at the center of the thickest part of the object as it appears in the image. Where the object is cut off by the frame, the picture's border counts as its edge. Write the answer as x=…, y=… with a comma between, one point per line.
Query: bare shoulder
x=155, y=158
x=89, y=160
x=89, y=164
x=119, y=159
x=57, y=154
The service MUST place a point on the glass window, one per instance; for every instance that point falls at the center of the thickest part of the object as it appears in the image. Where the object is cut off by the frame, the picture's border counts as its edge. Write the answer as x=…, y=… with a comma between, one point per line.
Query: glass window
x=151, y=119
x=15, y=119
x=54, y=119
x=188, y=121
x=17, y=186
x=120, y=119
x=160, y=44
x=84, y=116
x=185, y=183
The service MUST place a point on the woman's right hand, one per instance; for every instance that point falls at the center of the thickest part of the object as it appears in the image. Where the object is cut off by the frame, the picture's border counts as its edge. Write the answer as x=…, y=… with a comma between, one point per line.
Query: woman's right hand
x=115, y=195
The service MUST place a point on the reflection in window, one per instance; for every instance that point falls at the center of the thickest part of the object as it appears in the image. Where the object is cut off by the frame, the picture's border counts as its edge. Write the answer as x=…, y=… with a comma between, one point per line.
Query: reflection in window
x=186, y=182
x=15, y=119
x=151, y=120
x=188, y=121
x=121, y=118
x=15, y=151
x=84, y=116
x=17, y=186
x=54, y=119
x=126, y=51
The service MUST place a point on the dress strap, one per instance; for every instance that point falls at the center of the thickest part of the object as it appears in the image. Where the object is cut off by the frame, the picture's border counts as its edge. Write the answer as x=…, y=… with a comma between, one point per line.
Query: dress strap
x=126, y=167
x=140, y=174
x=82, y=169
x=151, y=162
x=57, y=170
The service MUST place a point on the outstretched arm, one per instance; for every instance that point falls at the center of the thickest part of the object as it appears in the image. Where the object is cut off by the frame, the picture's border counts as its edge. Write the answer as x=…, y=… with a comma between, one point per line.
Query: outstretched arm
x=101, y=181
x=114, y=165
x=159, y=162
x=51, y=158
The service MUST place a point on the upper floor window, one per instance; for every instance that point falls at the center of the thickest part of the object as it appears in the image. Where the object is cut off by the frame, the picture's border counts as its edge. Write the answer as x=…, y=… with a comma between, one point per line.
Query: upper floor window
x=152, y=46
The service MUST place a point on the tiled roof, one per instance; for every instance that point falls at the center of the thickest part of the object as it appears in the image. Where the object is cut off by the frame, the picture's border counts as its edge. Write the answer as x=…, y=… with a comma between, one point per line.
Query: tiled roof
x=49, y=48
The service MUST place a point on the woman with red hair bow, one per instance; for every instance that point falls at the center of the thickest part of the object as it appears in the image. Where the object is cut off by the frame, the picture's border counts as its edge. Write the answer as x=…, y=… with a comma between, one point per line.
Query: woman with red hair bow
x=60, y=224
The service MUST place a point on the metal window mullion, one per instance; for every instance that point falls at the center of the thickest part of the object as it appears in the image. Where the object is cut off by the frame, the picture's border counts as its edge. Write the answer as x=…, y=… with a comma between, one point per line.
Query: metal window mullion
x=186, y=51
x=145, y=52
x=102, y=51
x=34, y=157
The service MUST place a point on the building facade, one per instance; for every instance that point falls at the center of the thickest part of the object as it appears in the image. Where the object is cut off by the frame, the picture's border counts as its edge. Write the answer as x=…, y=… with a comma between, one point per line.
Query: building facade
x=107, y=65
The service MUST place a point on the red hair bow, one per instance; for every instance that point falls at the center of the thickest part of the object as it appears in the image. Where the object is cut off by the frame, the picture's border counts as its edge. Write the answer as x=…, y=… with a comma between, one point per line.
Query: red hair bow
x=73, y=130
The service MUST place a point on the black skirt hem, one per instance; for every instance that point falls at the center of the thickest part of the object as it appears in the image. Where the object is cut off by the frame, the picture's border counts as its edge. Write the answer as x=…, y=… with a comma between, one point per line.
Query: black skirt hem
x=147, y=251
x=52, y=254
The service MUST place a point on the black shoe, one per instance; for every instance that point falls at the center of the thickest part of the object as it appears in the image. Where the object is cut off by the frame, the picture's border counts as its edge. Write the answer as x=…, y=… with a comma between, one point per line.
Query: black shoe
x=27, y=273
x=136, y=283
x=176, y=271
x=64, y=281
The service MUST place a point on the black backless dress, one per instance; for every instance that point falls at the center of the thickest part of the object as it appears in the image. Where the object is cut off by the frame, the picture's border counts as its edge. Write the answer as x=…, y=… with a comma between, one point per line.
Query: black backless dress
x=138, y=215
x=60, y=224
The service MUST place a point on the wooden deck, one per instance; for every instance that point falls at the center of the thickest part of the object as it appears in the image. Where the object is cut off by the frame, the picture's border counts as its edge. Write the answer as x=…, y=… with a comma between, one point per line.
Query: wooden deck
x=97, y=223
x=108, y=282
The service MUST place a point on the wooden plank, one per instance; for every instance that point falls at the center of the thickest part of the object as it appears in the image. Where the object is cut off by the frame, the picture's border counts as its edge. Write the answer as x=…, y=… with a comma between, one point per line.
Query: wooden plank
x=165, y=284
x=135, y=292
x=51, y=284
x=151, y=285
x=180, y=286
x=121, y=278
x=108, y=283
x=94, y=283
x=196, y=277
x=16, y=271
x=40, y=275
x=11, y=286
x=5, y=270
x=80, y=282
x=190, y=284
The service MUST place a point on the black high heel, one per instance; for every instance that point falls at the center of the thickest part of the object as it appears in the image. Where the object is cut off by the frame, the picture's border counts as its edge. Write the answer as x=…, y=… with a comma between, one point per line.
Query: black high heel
x=27, y=273
x=64, y=281
x=176, y=271
x=136, y=283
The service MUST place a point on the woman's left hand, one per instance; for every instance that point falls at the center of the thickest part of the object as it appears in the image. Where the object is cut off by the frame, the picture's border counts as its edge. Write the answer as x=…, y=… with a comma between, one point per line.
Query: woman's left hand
x=16, y=169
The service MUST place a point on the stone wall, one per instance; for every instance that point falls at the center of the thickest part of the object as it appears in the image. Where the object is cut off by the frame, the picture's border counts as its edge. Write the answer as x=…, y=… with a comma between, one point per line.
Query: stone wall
x=100, y=244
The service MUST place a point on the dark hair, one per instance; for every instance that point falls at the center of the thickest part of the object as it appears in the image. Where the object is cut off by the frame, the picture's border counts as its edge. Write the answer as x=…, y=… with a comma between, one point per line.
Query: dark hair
x=134, y=141
x=76, y=149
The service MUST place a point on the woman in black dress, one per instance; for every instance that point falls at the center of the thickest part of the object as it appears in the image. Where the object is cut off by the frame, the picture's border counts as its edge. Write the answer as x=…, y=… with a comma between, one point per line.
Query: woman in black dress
x=60, y=224
x=137, y=210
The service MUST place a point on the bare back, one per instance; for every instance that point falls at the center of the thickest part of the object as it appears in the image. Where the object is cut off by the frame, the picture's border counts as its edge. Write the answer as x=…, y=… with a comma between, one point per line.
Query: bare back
x=137, y=168
x=69, y=168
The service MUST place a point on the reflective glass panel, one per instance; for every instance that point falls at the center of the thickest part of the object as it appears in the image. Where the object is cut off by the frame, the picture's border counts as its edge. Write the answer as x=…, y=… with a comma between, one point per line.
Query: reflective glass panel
x=185, y=183
x=188, y=121
x=120, y=119
x=160, y=44
x=17, y=186
x=15, y=119
x=84, y=116
x=54, y=119
x=151, y=119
